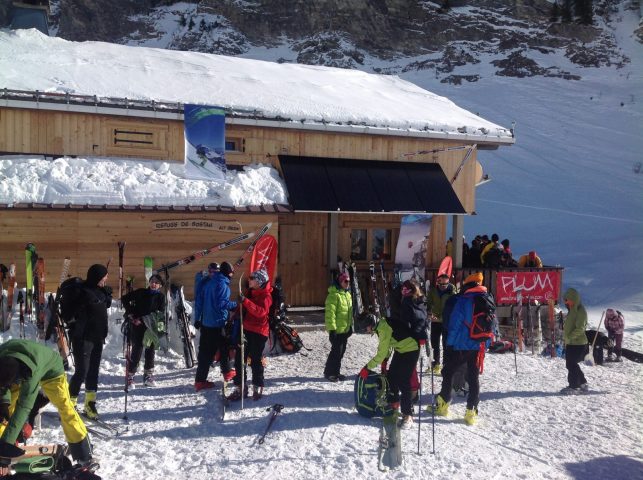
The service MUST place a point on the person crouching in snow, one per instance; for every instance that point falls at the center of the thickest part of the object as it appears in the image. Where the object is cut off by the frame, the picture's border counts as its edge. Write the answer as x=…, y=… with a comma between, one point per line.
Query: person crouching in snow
x=403, y=334
x=338, y=316
x=575, y=342
x=256, y=330
x=26, y=367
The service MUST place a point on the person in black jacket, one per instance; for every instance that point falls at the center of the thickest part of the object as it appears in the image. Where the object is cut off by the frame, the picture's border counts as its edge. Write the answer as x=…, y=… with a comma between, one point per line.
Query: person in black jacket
x=138, y=304
x=412, y=322
x=87, y=333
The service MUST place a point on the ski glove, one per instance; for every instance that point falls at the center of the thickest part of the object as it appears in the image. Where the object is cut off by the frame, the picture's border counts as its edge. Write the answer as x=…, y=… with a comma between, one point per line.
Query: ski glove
x=364, y=372
x=197, y=324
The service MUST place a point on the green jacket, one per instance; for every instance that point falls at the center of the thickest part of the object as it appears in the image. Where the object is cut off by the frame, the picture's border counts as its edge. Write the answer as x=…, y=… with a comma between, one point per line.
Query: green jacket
x=388, y=344
x=576, y=320
x=43, y=363
x=436, y=302
x=338, y=310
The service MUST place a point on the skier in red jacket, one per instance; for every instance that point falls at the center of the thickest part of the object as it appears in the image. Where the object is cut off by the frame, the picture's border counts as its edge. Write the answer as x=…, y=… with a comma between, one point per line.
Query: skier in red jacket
x=256, y=330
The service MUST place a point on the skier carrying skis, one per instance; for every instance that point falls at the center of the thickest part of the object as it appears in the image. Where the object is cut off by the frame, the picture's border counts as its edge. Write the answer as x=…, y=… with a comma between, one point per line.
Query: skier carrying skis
x=256, y=330
x=576, y=345
x=461, y=310
x=211, y=312
x=25, y=368
x=140, y=303
x=403, y=335
x=338, y=317
x=88, y=333
x=437, y=298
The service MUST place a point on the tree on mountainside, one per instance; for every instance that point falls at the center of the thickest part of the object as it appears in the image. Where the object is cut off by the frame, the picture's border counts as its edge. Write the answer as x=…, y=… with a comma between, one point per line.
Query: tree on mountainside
x=554, y=15
x=583, y=10
x=566, y=11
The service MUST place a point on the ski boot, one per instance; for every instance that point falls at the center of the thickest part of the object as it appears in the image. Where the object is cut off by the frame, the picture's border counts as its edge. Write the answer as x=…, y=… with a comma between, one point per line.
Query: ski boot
x=235, y=396
x=257, y=392
x=407, y=422
x=90, y=405
x=148, y=378
x=471, y=416
x=437, y=369
x=570, y=391
x=198, y=386
x=441, y=408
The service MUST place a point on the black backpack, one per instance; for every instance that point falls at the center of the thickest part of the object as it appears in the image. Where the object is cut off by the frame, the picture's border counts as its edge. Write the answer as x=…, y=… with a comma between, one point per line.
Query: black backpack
x=68, y=299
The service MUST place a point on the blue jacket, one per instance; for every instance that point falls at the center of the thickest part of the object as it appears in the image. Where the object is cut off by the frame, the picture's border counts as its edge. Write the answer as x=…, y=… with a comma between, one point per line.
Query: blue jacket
x=460, y=319
x=213, y=301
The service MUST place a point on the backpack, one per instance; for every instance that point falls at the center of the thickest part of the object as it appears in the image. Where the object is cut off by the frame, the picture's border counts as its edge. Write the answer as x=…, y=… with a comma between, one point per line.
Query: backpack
x=68, y=299
x=278, y=310
x=289, y=338
x=472, y=322
x=492, y=257
x=370, y=396
x=481, y=327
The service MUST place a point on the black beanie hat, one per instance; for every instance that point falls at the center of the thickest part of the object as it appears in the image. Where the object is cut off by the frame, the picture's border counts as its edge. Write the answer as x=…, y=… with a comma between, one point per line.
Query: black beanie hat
x=226, y=269
x=157, y=278
x=95, y=274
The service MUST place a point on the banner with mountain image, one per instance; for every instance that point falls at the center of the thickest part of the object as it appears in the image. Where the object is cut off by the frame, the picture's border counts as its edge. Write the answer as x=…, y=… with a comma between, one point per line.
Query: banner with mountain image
x=204, y=142
x=411, y=247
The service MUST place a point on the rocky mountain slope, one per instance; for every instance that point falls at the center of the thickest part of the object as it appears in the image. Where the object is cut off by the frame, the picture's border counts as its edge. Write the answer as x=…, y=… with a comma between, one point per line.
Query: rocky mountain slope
x=516, y=36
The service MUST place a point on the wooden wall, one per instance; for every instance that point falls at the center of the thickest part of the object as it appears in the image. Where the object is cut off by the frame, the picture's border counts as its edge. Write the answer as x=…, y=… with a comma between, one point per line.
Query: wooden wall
x=89, y=237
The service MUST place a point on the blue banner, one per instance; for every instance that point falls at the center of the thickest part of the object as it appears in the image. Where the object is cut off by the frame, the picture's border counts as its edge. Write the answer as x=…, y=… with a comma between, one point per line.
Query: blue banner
x=204, y=142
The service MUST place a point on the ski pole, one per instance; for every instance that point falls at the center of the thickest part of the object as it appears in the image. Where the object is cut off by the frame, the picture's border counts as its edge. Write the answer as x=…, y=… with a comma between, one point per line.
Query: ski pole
x=128, y=353
x=420, y=399
x=243, y=359
x=432, y=406
x=276, y=408
x=513, y=314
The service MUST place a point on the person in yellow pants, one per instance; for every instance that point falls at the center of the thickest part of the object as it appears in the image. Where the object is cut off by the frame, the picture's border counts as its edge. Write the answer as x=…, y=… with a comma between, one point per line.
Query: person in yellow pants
x=26, y=367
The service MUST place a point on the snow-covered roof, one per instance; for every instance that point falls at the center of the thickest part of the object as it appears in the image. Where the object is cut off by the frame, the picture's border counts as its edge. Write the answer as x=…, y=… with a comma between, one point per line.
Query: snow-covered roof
x=296, y=96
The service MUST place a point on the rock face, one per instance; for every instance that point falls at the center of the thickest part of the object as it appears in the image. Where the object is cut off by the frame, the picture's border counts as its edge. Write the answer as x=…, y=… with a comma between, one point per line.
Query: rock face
x=343, y=33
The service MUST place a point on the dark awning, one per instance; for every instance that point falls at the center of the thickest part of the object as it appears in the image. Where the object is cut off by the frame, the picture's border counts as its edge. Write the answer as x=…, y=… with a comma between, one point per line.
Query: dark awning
x=337, y=184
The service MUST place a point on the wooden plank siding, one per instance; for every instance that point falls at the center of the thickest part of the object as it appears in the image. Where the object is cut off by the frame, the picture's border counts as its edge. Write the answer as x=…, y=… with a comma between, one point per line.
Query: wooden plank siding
x=92, y=237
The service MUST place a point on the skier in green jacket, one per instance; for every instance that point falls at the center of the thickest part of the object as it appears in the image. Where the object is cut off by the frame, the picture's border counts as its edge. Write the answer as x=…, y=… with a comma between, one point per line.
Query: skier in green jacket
x=339, y=325
x=25, y=368
x=575, y=342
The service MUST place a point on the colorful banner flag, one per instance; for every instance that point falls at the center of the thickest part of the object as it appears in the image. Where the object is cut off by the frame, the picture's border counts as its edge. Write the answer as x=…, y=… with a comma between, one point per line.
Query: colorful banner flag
x=541, y=286
x=411, y=247
x=204, y=142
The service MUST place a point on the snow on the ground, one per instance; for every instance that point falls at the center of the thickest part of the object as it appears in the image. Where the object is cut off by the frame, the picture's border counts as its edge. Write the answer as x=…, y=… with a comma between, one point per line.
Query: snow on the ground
x=526, y=429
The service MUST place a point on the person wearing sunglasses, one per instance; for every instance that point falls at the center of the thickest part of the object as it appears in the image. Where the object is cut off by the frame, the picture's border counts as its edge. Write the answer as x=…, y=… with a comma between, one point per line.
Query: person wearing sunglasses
x=436, y=299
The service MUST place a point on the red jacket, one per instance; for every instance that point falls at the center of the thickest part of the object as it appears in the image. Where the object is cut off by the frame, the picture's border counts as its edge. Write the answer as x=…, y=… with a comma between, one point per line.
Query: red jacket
x=256, y=308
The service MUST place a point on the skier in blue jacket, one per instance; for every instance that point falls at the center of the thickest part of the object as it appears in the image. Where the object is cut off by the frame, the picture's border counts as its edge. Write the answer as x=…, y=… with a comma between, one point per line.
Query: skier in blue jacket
x=461, y=349
x=211, y=312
